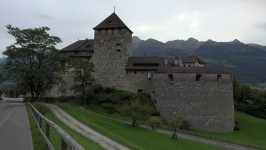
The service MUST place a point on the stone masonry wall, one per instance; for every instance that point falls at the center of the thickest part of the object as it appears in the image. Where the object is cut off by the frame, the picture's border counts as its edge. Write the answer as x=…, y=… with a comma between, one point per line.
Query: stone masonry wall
x=111, y=51
x=207, y=104
x=137, y=81
x=68, y=78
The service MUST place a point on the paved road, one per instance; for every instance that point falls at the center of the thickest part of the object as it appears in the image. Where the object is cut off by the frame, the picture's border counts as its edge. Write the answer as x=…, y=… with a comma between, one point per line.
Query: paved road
x=14, y=127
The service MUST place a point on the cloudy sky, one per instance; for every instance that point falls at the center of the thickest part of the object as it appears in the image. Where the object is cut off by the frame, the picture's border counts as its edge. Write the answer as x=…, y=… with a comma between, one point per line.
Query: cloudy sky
x=164, y=20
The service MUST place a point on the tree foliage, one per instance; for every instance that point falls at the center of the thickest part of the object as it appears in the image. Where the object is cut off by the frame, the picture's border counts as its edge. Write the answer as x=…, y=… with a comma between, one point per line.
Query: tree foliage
x=136, y=110
x=250, y=101
x=176, y=123
x=155, y=122
x=83, y=76
x=33, y=60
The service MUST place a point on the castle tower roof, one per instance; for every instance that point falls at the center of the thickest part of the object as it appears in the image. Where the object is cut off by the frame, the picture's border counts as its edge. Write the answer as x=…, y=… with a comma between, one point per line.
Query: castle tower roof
x=112, y=22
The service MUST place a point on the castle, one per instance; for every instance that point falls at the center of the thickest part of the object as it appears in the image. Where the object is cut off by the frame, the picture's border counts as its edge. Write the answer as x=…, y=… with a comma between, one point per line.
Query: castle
x=184, y=86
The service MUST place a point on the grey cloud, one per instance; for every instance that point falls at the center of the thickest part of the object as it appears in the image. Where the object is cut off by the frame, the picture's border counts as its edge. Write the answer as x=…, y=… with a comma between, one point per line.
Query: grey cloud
x=44, y=16
x=261, y=26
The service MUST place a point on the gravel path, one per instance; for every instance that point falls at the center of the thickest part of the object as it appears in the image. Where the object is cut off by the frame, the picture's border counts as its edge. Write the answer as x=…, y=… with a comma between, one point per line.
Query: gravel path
x=85, y=130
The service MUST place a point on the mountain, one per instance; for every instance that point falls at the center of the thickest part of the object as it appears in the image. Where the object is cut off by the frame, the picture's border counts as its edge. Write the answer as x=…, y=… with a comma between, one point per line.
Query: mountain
x=245, y=61
x=258, y=46
x=152, y=47
x=190, y=44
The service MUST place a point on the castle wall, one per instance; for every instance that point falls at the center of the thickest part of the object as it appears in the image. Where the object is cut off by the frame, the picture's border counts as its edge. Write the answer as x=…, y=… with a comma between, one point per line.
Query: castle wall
x=57, y=91
x=111, y=51
x=207, y=104
x=136, y=81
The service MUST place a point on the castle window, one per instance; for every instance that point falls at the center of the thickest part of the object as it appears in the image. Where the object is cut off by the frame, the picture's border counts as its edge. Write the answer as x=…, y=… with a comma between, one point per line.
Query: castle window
x=76, y=52
x=219, y=77
x=149, y=75
x=139, y=90
x=198, y=76
x=135, y=72
x=118, y=47
x=170, y=76
x=153, y=92
x=154, y=101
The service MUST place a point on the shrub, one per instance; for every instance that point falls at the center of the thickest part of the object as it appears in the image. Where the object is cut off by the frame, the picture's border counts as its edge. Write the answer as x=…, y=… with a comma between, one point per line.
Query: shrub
x=155, y=122
x=97, y=88
x=109, y=90
x=135, y=109
x=185, y=125
x=77, y=101
x=236, y=127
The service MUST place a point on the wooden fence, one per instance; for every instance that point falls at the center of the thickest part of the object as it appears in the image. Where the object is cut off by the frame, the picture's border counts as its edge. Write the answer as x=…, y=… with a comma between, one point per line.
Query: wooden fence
x=66, y=141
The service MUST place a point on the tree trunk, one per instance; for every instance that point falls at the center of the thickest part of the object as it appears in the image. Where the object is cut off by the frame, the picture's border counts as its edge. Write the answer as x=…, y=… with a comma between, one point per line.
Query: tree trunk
x=134, y=122
x=32, y=95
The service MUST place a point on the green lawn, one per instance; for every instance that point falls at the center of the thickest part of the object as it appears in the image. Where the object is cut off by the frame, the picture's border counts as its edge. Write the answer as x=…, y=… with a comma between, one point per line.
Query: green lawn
x=39, y=143
x=252, y=132
x=134, y=138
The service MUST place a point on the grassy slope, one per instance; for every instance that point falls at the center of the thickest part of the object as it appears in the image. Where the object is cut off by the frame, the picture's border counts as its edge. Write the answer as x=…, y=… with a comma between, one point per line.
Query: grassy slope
x=134, y=138
x=252, y=132
x=82, y=140
x=39, y=143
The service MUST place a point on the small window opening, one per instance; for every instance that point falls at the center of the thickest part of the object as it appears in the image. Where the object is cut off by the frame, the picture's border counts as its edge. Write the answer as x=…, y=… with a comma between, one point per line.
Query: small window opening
x=153, y=92
x=109, y=21
x=135, y=72
x=219, y=77
x=118, y=47
x=170, y=76
x=154, y=101
x=76, y=52
x=149, y=75
x=139, y=90
x=198, y=76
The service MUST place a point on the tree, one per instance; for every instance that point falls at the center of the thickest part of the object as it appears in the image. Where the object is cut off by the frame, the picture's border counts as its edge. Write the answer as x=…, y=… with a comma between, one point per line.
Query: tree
x=176, y=123
x=136, y=110
x=33, y=60
x=83, y=79
x=155, y=122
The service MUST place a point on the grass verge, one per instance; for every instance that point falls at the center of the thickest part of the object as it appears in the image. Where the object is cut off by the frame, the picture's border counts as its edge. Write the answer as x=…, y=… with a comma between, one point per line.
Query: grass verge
x=134, y=138
x=37, y=139
x=39, y=143
x=82, y=140
x=252, y=132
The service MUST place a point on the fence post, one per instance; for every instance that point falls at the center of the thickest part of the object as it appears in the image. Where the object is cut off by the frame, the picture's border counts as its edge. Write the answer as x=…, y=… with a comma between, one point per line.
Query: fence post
x=40, y=121
x=47, y=132
x=63, y=144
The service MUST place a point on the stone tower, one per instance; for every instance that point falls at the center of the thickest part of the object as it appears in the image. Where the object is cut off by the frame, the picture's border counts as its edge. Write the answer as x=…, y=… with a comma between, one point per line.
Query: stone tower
x=112, y=47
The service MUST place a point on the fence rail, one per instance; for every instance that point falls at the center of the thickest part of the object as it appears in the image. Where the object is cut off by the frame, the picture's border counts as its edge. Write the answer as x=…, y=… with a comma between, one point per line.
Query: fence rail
x=66, y=140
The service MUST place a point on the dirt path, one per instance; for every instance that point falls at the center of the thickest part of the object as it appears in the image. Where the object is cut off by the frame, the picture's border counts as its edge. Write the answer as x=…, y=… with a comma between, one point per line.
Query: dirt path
x=85, y=130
